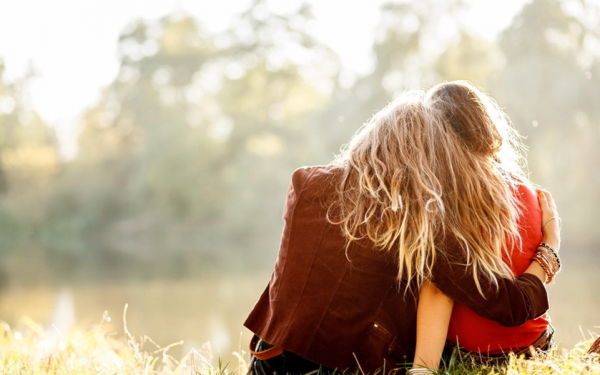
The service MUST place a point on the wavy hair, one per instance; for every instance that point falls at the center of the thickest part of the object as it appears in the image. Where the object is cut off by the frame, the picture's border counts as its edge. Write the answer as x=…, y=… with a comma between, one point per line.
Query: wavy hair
x=430, y=165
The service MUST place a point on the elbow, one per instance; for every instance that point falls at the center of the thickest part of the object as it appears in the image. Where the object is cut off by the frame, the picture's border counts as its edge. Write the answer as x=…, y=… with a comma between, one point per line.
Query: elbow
x=510, y=312
x=514, y=313
x=528, y=301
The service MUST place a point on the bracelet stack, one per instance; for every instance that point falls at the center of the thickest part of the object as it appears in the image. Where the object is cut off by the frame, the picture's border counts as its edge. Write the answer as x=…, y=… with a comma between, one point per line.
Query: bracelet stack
x=548, y=258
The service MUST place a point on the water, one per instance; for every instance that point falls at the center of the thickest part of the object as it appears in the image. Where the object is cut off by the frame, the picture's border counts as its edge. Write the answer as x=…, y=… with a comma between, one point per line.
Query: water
x=207, y=315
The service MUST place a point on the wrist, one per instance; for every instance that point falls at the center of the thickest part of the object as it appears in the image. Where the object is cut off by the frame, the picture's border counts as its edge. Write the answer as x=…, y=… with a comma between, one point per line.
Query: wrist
x=536, y=269
x=547, y=257
x=553, y=241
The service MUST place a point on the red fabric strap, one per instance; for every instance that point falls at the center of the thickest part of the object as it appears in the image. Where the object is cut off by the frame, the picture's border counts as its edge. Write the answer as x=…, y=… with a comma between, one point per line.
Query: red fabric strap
x=595, y=348
x=263, y=355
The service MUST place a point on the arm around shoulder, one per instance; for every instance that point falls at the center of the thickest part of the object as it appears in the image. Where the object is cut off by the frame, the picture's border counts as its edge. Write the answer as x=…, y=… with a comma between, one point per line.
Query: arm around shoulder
x=511, y=302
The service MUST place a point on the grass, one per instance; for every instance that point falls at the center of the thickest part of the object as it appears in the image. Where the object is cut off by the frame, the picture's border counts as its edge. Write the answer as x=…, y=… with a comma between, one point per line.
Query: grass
x=30, y=349
x=556, y=361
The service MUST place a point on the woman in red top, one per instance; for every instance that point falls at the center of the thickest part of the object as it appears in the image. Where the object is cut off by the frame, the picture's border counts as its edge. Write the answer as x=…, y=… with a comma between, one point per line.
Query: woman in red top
x=477, y=334
x=473, y=116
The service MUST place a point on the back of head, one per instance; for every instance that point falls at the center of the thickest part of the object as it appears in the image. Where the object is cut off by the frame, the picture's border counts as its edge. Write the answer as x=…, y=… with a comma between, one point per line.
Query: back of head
x=483, y=211
x=482, y=126
x=391, y=193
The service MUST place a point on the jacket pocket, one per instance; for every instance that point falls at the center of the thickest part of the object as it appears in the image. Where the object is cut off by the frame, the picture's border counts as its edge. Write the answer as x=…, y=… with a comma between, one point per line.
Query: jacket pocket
x=376, y=349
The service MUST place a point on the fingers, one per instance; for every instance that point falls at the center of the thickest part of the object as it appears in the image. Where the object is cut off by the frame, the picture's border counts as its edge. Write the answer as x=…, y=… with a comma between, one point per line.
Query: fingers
x=550, y=200
x=550, y=219
x=546, y=201
x=542, y=199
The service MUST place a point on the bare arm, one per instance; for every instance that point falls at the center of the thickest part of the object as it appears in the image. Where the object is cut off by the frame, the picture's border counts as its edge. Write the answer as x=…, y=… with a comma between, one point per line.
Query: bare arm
x=433, y=317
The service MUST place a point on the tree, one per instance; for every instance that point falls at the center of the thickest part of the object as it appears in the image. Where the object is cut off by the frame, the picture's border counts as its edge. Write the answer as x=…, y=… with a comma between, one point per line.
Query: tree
x=471, y=58
x=29, y=157
x=197, y=137
x=549, y=84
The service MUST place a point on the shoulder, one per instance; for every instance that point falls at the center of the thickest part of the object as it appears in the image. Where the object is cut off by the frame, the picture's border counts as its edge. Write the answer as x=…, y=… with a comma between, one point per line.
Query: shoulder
x=316, y=172
x=527, y=196
x=318, y=178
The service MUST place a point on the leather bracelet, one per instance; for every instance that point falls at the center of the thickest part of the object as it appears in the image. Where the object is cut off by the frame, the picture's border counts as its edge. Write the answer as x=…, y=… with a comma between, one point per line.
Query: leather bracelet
x=546, y=266
x=549, y=260
x=551, y=250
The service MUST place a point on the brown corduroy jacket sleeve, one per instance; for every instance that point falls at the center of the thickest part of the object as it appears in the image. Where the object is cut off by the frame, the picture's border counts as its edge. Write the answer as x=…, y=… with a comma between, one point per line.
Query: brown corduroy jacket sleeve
x=511, y=303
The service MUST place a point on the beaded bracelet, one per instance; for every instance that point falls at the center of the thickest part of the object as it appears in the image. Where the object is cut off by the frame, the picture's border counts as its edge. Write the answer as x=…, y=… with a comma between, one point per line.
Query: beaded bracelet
x=552, y=256
x=546, y=265
x=549, y=260
x=551, y=250
x=552, y=266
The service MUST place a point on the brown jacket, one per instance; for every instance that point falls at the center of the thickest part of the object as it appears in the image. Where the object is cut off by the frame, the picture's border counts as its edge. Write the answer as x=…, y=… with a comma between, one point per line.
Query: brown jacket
x=339, y=307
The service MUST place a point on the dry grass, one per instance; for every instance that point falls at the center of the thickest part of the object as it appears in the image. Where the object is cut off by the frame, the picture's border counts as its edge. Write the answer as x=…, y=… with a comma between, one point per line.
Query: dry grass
x=30, y=349
x=556, y=361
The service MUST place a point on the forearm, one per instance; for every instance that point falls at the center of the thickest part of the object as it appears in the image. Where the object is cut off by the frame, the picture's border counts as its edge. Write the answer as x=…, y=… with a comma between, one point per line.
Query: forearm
x=433, y=317
x=511, y=302
x=537, y=270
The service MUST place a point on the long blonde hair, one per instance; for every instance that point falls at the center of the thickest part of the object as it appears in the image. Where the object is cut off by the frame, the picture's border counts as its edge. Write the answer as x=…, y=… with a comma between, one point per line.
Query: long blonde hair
x=429, y=166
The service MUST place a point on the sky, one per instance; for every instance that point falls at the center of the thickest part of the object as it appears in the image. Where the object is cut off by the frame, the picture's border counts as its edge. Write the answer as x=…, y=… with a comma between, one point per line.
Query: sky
x=71, y=44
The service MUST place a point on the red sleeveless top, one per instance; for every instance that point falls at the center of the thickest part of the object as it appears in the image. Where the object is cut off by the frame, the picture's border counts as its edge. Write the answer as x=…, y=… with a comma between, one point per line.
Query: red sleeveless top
x=477, y=334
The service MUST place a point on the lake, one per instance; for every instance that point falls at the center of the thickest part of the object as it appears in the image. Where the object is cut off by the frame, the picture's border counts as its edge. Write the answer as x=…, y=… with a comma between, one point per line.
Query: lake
x=206, y=314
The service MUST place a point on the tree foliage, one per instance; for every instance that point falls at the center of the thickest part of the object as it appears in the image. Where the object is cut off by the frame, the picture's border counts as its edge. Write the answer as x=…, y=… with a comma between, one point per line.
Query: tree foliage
x=549, y=85
x=186, y=156
x=29, y=158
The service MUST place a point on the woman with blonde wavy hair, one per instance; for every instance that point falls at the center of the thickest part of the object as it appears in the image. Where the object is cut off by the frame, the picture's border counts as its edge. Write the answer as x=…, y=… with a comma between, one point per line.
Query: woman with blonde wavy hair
x=393, y=212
